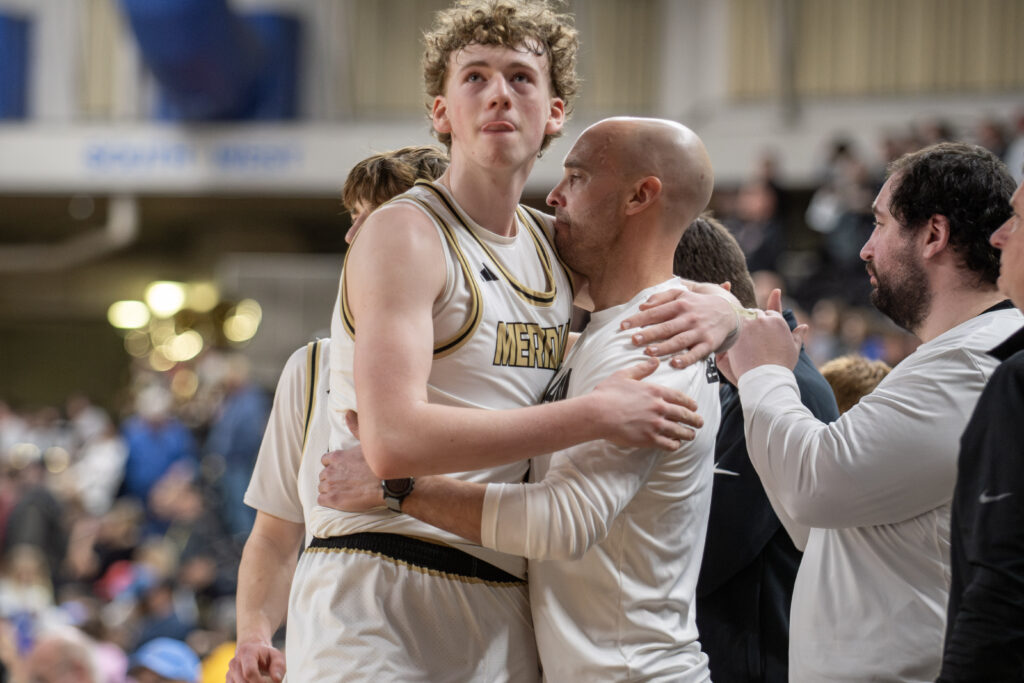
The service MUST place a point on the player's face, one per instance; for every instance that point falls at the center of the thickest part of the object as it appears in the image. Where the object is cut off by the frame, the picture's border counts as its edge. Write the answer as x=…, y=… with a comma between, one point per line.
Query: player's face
x=359, y=212
x=498, y=105
x=1009, y=240
x=900, y=284
x=588, y=210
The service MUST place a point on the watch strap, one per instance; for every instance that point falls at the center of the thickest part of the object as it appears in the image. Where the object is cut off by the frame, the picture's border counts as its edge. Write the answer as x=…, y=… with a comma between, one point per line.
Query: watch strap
x=395, y=491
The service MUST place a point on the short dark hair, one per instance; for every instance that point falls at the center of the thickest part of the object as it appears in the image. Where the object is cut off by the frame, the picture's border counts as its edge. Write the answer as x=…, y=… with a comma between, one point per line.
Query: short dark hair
x=968, y=185
x=707, y=252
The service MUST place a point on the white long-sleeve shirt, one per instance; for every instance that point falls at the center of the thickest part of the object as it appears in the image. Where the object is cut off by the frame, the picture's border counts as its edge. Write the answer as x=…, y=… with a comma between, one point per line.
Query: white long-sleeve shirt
x=874, y=487
x=614, y=537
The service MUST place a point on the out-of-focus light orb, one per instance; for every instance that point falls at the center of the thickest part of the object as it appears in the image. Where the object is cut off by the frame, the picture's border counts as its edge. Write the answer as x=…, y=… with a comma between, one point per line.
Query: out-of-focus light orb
x=202, y=297
x=128, y=315
x=184, y=346
x=56, y=459
x=161, y=332
x=136, y=343
x=250, y=308
x=165, y=298
x=243, y=321
x=159, y=362
x=23, y=454
x=184, y=384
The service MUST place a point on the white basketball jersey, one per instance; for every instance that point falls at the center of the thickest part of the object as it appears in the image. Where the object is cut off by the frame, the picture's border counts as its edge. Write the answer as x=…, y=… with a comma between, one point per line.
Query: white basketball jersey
x=500, y=328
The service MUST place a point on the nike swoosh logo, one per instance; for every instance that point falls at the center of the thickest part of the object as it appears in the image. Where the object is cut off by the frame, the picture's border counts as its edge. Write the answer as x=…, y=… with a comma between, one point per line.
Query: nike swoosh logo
x=719, y=470
x=985, y=498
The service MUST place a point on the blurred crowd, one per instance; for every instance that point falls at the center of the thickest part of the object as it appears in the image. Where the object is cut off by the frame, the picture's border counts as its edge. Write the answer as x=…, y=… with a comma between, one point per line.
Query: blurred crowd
x=807, y=241
x=120, y=534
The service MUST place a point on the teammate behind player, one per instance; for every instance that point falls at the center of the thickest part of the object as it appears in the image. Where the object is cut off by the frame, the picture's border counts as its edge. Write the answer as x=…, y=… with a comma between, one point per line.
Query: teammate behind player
x=283, y=486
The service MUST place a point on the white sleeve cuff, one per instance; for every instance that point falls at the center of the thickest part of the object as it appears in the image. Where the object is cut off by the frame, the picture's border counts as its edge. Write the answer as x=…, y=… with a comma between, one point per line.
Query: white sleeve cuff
x=503, y=521
x=755, y=384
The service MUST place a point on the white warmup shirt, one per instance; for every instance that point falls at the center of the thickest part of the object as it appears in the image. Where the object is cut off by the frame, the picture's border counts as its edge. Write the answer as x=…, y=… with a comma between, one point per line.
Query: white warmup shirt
x=875, y=487
x=285, y=478
x=614, y=537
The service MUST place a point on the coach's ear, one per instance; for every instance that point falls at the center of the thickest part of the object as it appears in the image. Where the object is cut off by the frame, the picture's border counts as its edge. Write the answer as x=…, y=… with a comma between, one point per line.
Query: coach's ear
x=936, y=235
x=644, y=193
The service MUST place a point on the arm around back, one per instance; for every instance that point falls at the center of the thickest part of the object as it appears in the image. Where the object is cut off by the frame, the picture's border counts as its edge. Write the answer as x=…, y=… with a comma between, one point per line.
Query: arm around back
x=393, y=277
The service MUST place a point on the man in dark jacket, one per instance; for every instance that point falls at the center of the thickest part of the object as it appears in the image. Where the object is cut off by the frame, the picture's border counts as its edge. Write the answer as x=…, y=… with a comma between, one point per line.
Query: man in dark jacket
x=750, y=562
x=985, y=623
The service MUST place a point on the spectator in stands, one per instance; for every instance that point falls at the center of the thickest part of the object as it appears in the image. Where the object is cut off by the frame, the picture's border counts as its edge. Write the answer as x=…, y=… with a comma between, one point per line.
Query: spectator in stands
x=62, y=655
x=157, y=442
x=234, y=440
x=165, y=660
x=852, y=377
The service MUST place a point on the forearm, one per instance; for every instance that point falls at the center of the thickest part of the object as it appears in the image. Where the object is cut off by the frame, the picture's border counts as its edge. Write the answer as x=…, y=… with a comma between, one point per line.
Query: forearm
x=561, y=517
x=448, y=504
x=458, y=507
x=430, y=438
x=264, y=578
x=872, y=466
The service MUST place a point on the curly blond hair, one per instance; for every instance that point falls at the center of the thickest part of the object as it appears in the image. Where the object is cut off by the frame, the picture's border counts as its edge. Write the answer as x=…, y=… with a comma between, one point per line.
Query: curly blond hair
x=852, y=377
x=518, y=24
x=378, y=178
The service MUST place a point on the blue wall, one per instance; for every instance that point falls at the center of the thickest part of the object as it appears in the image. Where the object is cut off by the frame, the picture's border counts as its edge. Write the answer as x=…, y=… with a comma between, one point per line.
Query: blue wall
x=14, y=49
x=213, y=64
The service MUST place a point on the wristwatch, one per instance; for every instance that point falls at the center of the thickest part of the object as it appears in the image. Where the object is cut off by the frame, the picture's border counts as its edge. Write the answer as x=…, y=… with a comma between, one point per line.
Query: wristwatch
x=395, y=491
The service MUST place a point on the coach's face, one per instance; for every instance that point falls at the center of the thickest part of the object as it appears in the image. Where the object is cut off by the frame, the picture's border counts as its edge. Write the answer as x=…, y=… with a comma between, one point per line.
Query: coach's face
x=1009, y=240
x=587, y=201
x=900, y=286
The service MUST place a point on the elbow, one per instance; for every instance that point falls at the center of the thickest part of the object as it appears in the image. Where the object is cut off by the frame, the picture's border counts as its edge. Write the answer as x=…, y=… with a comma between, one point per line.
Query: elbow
x=810, y=511
x=385, y=464
x=561, y=553
x=570, y=545
x=387, y=458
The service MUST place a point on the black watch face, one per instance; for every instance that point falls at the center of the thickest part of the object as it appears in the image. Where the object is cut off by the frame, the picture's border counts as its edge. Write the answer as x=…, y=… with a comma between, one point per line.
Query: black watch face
x=398, y=487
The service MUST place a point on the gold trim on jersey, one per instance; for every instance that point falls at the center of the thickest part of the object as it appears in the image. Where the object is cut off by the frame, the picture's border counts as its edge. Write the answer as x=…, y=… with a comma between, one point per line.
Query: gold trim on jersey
x=347, y=320
x=536, y=217
x=475, y=313
x=542, y=299
x=312, y=366
x=475, y=309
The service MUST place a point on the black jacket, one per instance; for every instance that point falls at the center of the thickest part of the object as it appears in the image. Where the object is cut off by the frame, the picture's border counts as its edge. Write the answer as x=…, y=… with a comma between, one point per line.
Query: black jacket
x=985, y=623
x=749, y=566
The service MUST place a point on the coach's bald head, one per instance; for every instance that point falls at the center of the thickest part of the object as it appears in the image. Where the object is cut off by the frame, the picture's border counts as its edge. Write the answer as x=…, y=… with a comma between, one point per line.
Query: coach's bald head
x=630, y=188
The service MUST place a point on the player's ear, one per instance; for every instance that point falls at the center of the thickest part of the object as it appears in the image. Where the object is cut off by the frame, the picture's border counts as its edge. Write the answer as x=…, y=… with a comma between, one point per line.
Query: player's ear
x=556, y=117
x=645, y=192
x=439, y=115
